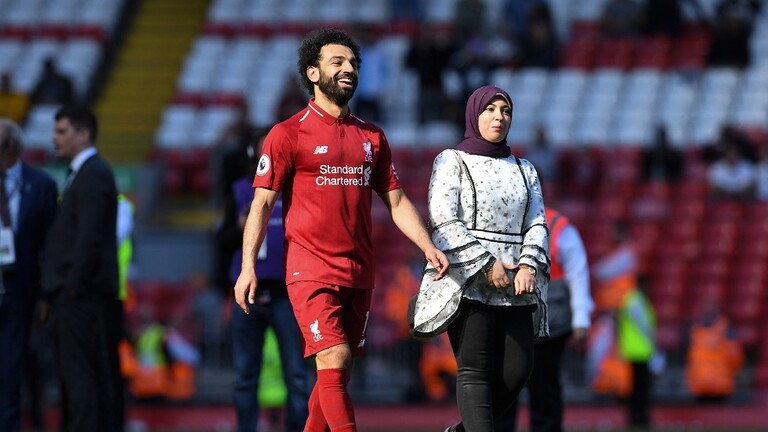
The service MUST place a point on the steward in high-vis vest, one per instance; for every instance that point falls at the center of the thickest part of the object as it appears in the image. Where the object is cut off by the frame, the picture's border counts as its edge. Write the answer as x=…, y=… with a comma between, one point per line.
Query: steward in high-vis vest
x=125, y=210
x=569, y=301
x=714, y=359
x=636, y=334
x=569, y=305
x=117, y=307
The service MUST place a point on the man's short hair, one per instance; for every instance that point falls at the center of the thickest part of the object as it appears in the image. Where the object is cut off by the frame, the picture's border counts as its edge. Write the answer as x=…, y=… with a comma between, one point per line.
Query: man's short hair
x=12, y=132
x=309, y=51
x=81, y=118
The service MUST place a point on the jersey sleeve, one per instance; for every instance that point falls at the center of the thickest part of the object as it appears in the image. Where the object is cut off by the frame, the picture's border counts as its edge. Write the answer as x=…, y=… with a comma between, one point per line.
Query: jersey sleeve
x=384, y=178
x=276, y=161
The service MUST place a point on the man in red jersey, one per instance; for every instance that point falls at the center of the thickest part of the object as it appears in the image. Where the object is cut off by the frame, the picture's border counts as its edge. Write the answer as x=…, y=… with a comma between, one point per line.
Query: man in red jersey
x=326, y=162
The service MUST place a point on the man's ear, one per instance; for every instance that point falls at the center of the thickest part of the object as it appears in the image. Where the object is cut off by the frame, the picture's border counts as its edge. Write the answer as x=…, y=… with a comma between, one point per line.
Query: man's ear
x=313, y=73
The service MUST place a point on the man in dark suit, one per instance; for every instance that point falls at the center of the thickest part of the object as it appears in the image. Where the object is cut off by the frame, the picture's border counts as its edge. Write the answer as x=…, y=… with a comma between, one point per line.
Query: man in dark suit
x=27, y=206
x=80, y=271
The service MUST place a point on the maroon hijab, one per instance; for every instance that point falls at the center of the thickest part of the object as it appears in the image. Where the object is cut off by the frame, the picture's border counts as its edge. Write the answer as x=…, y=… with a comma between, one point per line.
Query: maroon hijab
x=473, y=142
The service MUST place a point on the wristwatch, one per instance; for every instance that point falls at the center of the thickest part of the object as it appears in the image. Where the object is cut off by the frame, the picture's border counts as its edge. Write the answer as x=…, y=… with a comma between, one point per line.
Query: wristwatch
x=530, y=269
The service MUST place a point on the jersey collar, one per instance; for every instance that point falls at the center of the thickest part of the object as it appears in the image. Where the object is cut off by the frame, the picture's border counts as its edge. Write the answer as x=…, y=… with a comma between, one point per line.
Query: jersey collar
x=324, y=116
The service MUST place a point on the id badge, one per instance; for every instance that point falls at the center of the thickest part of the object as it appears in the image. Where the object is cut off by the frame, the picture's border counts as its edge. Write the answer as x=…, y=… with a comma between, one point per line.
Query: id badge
x=7, y=249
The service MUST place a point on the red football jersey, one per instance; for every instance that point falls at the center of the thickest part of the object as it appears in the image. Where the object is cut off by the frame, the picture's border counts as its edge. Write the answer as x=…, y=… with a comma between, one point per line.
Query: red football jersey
x=326, y=169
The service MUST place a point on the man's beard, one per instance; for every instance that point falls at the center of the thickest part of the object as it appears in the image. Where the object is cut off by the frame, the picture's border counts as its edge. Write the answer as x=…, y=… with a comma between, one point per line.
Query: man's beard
x=331, y=89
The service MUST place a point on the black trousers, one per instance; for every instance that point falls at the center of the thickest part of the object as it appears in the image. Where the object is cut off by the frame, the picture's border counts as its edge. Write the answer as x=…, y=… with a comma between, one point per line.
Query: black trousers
x=114, y=332
x=14, y=332
x=494, y=352
x=544, y=390
x=639, y=401
x=81, y=350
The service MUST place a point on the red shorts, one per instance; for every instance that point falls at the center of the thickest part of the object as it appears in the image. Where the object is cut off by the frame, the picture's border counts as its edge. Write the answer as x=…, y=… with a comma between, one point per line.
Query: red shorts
x=330, y=315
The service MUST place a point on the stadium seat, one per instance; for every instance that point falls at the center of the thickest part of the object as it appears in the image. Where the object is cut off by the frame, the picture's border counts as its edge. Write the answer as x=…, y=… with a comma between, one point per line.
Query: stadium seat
x=614, y=53
x=652, y=52
x=38, y=130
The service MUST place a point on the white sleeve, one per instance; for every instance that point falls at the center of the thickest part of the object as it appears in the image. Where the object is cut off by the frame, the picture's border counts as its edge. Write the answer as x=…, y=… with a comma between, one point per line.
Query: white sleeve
x=124, y=220
x=573, y=258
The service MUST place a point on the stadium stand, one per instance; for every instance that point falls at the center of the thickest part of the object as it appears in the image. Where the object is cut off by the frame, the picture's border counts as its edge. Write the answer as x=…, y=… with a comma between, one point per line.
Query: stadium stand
x=607, y=95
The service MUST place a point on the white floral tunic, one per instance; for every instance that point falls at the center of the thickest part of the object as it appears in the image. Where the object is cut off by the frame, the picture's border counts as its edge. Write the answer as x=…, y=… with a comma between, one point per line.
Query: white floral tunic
x=482, y=208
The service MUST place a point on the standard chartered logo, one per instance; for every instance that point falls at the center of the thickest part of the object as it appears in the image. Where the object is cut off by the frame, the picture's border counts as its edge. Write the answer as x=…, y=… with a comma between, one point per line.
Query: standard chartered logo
x=344, y=175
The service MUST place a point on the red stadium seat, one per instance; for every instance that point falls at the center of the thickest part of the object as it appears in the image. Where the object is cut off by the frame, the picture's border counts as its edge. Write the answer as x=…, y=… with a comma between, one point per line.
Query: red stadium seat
x=668, y=336
x=15, y=31
x=686, y=249
x=652, y=52
x=90, y=31
x=614, y=53
x=725, y=211
x=52, y=31
x=691, y=190
x=649, y=208
x=686, y=210
x=583, y=29
x=578, y=54
x=749, y=335
x=701, y=293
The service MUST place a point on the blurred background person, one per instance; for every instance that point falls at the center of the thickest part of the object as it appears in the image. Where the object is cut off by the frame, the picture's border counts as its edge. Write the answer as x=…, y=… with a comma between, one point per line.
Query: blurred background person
x=636, y=340
x=53, y=87
x=429, y=56
x=619, y=296
x=623, y=18
x=617, y=271
x=14, y=105
x=272, y=310
x=714, y=357
x=569, y=306
x=732, y=31
x=543, y=156
x=207, y=317
x=80, y=271
x=539, y=45
x=114, y=316
x=27, y=207
x=374, y=77
x=732, y=176
x=662, y=162
x=229, y=162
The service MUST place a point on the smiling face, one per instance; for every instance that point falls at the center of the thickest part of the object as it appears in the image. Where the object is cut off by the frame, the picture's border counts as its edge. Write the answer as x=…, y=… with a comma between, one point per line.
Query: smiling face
x=337, y=75
x=494, y=120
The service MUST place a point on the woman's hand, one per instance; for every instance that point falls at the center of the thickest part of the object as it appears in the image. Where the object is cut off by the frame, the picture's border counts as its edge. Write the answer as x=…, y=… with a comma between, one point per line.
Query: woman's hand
x=497, y=275
x=525, y=281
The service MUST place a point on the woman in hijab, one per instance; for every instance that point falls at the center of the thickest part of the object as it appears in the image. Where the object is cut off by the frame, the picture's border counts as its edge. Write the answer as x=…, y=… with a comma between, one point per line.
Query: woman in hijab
x=487, y=215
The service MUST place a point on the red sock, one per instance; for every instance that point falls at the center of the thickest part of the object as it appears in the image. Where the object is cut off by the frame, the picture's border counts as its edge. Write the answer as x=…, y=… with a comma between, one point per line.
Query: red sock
x=316, y=420
x=334, y=399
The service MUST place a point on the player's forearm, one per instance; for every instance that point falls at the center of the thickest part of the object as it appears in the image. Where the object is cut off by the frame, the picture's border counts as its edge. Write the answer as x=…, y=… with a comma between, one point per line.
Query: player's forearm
x=407, y=218
x=254, y=232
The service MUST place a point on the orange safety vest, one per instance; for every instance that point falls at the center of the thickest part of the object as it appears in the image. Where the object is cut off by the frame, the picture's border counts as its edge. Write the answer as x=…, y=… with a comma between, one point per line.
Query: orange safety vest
x=437, y=361
x=614, y=376
x=713, y=360
x=556, y=222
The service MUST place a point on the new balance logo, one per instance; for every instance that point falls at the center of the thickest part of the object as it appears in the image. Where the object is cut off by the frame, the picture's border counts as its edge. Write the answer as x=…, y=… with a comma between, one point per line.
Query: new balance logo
x=321, y=150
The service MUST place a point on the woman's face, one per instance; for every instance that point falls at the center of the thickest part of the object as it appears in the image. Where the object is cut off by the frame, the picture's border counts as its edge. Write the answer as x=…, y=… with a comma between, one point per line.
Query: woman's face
x=494, y=120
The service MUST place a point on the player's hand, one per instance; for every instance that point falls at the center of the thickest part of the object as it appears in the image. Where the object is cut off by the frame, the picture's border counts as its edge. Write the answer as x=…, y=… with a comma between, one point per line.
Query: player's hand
x=438, y=260
x=245, y=290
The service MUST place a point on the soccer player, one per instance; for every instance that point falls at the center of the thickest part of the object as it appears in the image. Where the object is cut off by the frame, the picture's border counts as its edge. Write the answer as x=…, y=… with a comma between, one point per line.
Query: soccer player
x=326, y=162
